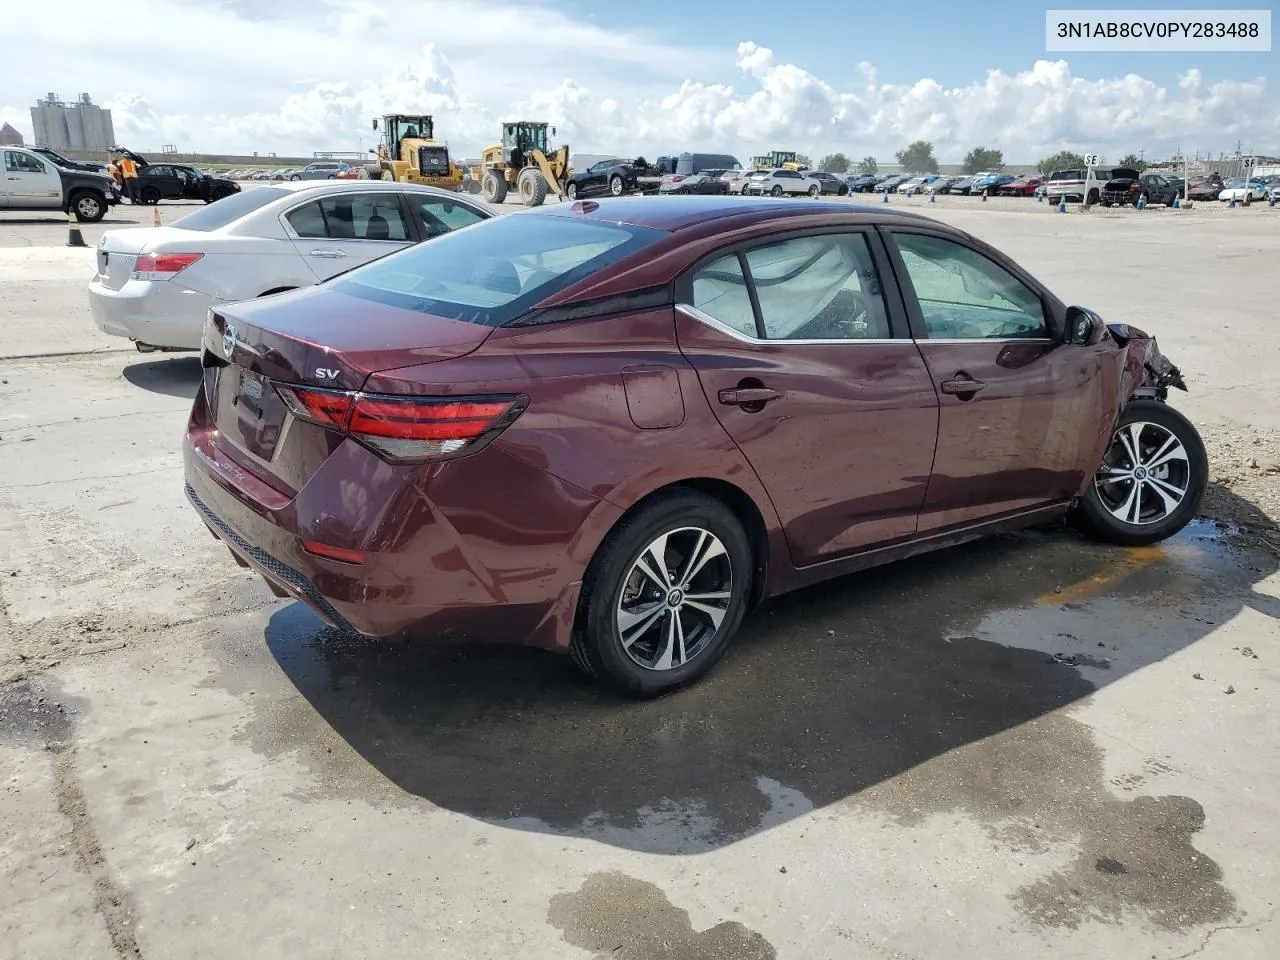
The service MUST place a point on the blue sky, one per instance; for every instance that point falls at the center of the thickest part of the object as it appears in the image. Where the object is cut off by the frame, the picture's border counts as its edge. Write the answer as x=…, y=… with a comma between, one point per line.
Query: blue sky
x=651, y=77
x=950, y=42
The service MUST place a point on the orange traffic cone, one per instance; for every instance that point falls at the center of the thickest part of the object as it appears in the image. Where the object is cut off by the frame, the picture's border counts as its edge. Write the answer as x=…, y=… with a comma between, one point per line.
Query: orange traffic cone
x=74, y=237
x=155, y=218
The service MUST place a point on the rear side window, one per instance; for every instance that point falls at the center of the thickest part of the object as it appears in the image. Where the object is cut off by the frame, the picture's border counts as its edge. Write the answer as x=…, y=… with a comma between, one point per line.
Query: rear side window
x=229, y=209
x=350, y=217
x=497, y=270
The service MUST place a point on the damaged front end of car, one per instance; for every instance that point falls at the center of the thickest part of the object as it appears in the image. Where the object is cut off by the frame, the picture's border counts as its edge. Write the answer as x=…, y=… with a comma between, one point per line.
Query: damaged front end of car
x=1148, y=372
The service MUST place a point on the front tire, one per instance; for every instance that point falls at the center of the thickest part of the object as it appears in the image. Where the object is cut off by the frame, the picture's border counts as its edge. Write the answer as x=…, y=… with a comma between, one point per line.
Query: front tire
x=776, y=191
x=1151, y=479
x=533, y=188
x=814, y=191
x=493, y=187
x=88, y=207
x=664, y=595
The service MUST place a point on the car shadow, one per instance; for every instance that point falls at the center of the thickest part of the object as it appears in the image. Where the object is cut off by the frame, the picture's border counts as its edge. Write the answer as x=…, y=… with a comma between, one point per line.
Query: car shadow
x=824, y=694
x=177, y=375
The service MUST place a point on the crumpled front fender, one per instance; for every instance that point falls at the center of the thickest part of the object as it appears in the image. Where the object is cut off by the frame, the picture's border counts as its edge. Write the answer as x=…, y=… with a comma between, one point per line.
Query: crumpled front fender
x=1147, y=371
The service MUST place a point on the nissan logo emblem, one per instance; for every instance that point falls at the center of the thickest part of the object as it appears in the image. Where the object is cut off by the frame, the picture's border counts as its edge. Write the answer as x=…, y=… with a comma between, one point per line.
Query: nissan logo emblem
x=229, y=341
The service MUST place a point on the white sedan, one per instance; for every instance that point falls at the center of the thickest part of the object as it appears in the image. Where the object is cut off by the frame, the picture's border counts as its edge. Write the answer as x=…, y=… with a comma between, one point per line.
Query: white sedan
x=1238, y=189
x=155, y=285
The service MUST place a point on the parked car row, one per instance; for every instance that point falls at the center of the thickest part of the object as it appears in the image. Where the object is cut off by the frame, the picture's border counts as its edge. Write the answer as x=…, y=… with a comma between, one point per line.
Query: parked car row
x=320, y=170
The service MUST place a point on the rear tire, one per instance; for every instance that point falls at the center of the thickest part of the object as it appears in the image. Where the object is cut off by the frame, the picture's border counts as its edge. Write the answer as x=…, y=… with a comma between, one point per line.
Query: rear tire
x=615, y=186
x=1156, y=450
x=660, y=625
x=149, y=196
x=571, y=190
x=494, y=187
x=533, y=188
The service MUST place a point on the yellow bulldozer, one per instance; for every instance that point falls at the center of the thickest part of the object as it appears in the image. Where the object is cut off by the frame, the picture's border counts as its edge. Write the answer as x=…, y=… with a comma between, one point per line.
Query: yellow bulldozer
x=410, y=153
x=521, y=162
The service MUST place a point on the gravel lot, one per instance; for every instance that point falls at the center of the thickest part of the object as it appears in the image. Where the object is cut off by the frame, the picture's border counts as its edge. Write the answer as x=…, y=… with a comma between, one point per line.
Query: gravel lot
x=895, y=765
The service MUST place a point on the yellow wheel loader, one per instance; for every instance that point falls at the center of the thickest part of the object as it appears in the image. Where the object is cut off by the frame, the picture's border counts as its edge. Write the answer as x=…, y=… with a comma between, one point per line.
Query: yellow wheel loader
x=410, y=153
x=520, y=162
x=785, y=159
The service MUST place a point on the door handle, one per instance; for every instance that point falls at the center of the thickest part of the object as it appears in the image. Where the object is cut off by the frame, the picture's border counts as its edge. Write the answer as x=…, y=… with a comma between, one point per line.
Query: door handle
x=741, y=395
x=961, y=385
x=328, y=254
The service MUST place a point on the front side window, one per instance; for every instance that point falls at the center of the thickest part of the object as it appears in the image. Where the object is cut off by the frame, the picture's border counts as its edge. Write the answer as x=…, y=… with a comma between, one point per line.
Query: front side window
x=15, y=162
x=497, y=270
x=443, y=216
x=963, y=295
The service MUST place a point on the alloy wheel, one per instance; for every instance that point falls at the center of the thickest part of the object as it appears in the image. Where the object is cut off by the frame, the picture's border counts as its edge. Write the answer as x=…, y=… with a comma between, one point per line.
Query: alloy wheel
x=1144, y=475
x=674, y=598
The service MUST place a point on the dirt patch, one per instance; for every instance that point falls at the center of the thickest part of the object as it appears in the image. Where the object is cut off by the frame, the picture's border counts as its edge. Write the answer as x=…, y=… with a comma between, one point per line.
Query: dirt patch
x=1041, y=784
x=30, y=650
x=1244, y=482
x=622, y=918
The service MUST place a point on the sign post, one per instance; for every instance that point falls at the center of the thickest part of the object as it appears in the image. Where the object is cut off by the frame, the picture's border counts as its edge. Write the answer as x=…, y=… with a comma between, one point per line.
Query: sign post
x=1249, y=164
x=1090, y=161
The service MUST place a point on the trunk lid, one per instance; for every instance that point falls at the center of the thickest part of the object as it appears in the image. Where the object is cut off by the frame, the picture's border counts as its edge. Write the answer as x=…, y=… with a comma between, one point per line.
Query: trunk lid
x=314, y=337
x=118, y=250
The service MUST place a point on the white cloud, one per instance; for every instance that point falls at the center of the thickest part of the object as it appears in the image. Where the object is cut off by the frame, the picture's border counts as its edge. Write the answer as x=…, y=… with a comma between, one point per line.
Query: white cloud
x=606, y=91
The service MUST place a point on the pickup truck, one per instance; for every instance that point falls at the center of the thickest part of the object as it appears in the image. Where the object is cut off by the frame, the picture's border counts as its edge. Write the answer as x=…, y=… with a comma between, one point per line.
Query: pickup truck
x=32, y=182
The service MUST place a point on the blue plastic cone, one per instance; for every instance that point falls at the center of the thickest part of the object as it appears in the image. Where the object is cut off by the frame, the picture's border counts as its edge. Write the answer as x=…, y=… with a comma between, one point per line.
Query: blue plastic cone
x=1177, y=203
x=1231, y=203
x=1062, y=205
x=1271, y=200
x=886, y=197
x=1142, y=203
x=933, y=198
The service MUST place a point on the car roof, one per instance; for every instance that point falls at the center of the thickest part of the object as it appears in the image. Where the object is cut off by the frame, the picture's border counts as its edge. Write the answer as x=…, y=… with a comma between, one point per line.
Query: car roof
x=672, y=214
x=357, y=186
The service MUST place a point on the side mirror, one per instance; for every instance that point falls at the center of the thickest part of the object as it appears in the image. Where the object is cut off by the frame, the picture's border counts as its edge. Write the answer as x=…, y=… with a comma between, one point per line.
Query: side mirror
x=553, y=131
x=372, y=150
x=375, y=124
x=1084, y=327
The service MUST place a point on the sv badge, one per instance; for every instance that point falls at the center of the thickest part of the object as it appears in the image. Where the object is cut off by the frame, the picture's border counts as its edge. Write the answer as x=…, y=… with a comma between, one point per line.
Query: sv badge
x=326, y=373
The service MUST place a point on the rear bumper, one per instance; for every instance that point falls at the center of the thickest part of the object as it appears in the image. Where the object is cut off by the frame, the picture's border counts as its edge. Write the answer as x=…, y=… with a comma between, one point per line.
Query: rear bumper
x=472, y=572
x=160, y=313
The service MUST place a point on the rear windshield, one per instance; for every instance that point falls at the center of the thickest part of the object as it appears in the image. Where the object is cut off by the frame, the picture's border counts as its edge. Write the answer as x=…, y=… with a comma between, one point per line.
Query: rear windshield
x=229, y=209
x=496, y=270
x=1067, y=175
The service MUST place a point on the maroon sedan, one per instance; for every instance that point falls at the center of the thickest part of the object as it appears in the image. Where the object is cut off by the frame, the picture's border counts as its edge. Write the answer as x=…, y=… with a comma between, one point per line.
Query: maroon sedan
x=1022, y=187
x=613, y=428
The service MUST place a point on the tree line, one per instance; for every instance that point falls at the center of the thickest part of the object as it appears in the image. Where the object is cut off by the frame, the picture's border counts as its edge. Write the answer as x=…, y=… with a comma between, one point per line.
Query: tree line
x=918, y=157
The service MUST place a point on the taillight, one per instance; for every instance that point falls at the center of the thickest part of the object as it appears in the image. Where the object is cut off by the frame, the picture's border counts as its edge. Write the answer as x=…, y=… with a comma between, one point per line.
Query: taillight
x=162, y=266
x=407, y=429
x=1133, y=188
